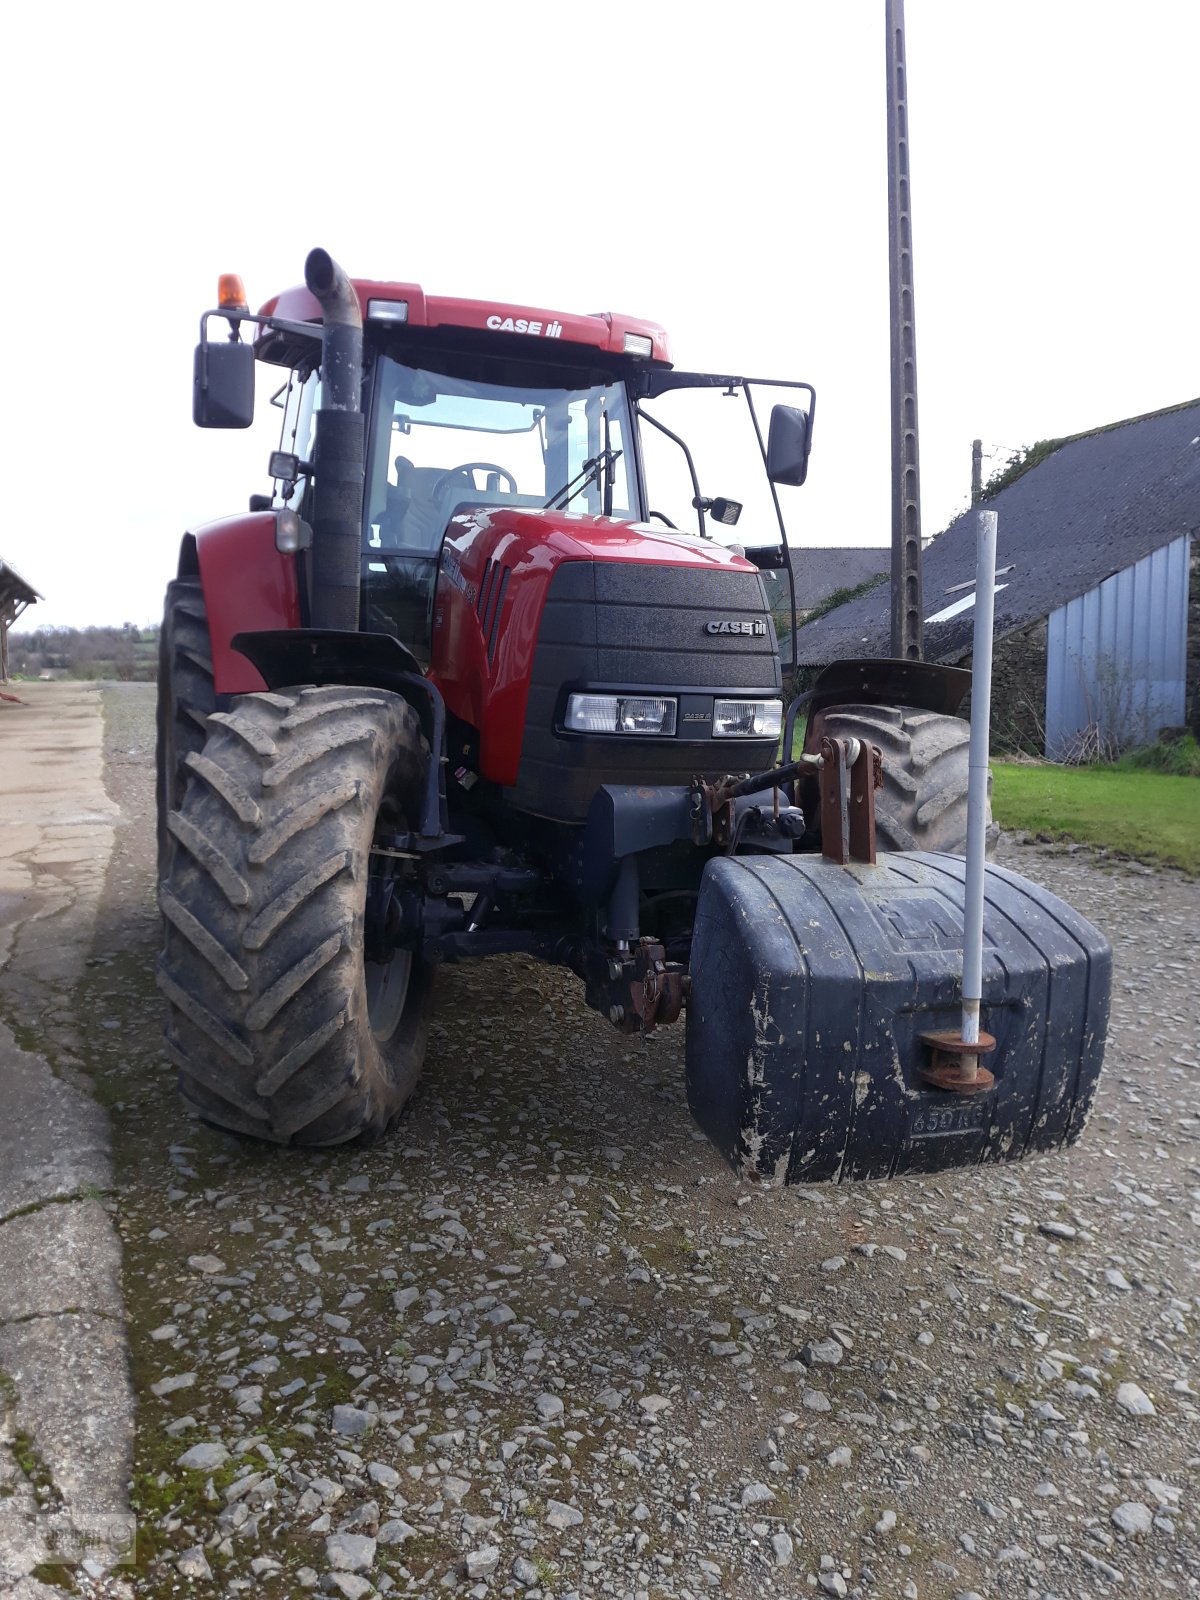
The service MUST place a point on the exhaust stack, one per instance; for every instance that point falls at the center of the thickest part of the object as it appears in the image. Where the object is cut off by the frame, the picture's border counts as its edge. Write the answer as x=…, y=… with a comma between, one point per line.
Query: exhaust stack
x=338, y=455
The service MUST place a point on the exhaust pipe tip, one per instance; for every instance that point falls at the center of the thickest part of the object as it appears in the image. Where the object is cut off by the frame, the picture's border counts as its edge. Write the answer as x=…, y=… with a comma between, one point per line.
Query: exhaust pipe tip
x=319, y=270
x=331, y=285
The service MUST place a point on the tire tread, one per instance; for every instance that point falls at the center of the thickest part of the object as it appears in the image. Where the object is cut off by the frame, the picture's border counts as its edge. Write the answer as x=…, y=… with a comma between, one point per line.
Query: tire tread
x=926, y=767
x=262, y=967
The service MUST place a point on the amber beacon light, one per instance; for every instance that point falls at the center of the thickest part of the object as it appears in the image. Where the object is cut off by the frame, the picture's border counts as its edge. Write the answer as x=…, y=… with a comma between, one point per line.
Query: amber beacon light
x=231, y=293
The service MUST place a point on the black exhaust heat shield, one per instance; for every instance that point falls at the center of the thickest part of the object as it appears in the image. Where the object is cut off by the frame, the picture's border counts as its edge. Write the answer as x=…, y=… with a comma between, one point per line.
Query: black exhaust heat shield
x=811, y=986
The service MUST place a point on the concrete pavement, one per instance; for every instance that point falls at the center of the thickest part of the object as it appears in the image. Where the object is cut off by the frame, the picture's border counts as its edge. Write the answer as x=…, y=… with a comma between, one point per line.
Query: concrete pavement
x=66, y=1403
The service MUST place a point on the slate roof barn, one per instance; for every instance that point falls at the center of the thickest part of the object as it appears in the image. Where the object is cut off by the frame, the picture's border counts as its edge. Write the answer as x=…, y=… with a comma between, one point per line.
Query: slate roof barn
x=820, y=573
x=1096, y=538
x=15, y=595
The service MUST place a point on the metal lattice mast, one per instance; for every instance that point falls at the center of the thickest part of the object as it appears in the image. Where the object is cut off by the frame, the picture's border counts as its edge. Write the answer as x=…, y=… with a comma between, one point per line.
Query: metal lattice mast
x=907, y=613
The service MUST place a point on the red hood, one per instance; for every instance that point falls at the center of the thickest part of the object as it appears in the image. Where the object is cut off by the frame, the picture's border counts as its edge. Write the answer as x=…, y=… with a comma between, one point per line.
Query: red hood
x=550, y=537
x=496, y=568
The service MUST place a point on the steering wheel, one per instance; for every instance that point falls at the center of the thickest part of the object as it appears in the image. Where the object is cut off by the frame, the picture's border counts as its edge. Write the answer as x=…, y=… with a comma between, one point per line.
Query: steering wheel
x=468, y=469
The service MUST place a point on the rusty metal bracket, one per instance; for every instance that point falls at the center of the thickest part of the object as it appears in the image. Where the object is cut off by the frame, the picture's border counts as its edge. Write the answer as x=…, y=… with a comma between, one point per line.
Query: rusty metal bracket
x=657, y=988
x=640, y=990
x=954, y=1063
x=851, y=771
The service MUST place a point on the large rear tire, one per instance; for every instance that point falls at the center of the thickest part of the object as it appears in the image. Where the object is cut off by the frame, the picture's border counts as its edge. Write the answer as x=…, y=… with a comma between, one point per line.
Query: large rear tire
x=279, y=1026
x=926, y=767
x=186, y=696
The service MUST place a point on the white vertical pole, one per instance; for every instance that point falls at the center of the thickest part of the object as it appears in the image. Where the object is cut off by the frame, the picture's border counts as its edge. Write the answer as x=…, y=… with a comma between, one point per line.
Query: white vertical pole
x=981, y=715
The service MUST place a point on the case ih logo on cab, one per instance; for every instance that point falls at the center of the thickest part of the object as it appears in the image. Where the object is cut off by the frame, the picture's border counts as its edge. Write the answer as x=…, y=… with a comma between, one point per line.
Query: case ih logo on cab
x=549, y=330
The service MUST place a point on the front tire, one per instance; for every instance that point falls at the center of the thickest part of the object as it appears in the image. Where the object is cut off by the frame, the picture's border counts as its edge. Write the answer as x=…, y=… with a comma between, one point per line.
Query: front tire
x=926, y=767
x=186, y=696
x=279, y=1026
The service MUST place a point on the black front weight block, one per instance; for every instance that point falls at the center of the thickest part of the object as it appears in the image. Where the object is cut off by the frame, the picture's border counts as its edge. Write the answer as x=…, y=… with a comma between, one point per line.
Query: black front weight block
x=812, y=984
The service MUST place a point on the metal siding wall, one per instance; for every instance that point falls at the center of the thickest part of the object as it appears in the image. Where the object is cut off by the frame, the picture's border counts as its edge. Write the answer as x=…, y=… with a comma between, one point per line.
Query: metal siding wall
x=1117, y=656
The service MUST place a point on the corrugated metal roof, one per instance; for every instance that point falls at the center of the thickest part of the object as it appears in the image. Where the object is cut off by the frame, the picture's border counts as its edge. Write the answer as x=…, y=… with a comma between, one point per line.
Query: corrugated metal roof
x=1098, y=504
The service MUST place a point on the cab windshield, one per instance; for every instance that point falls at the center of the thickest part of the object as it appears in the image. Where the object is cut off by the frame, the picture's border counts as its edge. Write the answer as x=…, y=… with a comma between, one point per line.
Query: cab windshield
x=443, y=444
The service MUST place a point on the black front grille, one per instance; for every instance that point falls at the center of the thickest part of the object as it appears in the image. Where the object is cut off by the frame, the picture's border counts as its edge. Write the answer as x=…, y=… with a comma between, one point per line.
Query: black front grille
x=612, y=625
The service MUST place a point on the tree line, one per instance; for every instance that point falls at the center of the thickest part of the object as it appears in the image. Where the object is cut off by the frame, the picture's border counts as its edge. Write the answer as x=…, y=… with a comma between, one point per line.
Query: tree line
x=128, y=653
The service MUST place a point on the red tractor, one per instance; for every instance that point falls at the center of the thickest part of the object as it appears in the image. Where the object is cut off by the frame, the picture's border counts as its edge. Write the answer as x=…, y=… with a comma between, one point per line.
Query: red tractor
x=456, y=689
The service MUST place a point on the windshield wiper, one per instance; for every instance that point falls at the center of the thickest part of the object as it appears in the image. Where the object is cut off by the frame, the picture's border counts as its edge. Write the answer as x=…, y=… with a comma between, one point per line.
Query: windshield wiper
x=605, y=462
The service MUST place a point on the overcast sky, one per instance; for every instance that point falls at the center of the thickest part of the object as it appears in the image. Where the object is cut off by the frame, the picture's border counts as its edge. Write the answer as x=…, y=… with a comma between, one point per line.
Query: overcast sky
x=720, y=169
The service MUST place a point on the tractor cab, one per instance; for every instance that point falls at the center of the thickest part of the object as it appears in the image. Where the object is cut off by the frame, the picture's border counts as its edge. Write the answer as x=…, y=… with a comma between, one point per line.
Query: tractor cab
x=442, y=445
x=471, y=405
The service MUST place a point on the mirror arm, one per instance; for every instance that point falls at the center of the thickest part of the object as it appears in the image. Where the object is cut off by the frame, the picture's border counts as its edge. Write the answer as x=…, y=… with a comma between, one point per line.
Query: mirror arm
x=783, y=537
x=301, y=330
x=698, y=500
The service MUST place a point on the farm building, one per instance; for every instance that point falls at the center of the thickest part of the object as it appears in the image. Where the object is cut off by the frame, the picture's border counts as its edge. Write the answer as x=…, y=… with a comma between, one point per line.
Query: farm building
x=1094, y=566
x=820, y=574
x=15, y=596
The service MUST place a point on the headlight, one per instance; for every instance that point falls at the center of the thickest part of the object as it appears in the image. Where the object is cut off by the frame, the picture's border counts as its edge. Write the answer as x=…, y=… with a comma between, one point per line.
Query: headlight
x=615, y=713
x=747, y=719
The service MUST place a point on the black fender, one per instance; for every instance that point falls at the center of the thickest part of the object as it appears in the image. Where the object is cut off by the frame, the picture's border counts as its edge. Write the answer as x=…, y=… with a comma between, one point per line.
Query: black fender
x=328, y=655
x=885, y=682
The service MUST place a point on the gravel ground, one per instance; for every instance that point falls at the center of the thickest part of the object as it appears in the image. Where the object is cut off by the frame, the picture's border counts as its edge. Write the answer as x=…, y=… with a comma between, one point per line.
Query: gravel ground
x=541, y=1343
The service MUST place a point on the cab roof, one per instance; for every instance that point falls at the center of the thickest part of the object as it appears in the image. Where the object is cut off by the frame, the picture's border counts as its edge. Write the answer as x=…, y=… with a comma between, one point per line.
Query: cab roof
x=406, y=305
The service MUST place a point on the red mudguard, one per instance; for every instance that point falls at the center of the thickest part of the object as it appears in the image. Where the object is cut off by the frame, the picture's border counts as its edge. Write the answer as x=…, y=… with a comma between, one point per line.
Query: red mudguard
x=248, y=586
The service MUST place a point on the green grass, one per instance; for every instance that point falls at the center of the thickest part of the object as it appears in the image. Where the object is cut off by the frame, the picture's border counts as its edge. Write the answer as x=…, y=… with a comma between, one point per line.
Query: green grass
x=1178, y=756
x=797, y=739
x=1150, y=816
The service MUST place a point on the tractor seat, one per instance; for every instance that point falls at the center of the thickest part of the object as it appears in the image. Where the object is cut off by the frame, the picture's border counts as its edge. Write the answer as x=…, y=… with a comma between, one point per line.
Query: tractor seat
x=417, y=510
x=413, y=516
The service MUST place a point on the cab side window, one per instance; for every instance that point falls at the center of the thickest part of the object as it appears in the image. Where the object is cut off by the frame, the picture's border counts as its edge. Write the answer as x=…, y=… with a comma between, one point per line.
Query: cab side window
x=299, y=400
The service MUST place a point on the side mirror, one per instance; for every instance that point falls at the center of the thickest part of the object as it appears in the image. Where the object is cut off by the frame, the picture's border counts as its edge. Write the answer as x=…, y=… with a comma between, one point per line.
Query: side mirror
x=223, y=385
x=788, y=444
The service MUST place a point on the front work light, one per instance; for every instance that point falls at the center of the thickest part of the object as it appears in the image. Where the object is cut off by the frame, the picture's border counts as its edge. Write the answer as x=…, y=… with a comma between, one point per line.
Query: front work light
x=616, y=713
x=639, y=344
x=387, y=310
x=747, y=719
